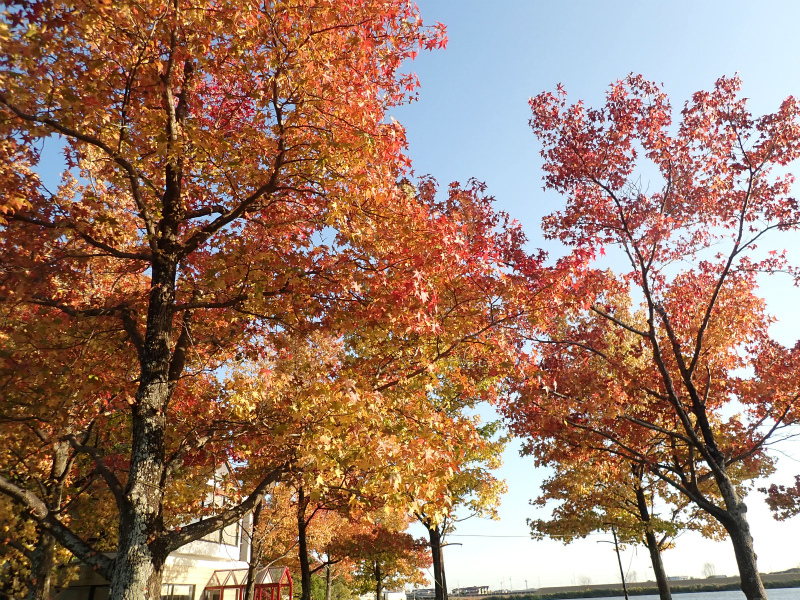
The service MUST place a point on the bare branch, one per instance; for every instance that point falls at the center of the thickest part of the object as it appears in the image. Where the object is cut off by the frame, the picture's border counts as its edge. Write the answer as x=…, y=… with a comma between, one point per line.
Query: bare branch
x=620, y=323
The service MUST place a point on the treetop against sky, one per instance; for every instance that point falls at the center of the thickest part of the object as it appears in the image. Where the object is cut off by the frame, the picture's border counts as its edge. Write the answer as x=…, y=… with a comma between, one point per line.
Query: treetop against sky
x=228, y=204
x=471, y=121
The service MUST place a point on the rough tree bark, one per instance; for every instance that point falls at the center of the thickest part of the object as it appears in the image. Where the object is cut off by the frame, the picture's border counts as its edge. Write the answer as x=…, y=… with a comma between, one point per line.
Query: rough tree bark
x=302, y=525
x=43, y=557
x=652, y=546
x=138, y=566
x=42, y=562
x=253, y=563
x=439, y=579
x=734, y=521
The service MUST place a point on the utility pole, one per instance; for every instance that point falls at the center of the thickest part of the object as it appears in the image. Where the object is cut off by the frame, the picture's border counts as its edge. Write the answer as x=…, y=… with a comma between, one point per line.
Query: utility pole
x=619, y=560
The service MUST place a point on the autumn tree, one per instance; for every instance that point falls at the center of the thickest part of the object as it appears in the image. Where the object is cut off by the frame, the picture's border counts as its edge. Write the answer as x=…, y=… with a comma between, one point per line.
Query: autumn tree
x=672, y=370
x=278, y=534
x=311, y=534
x=349, y=458
x=439, y=460
x=325, y=532
x=598, y=493
x=211, y=152
x=386, y=558
x=472, y=491
x=273, y=536
x=321, y=510
x=474, y=346
x=48, y=369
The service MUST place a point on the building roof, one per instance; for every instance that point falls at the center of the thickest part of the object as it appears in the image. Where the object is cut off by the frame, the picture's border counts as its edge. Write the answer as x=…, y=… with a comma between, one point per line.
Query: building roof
x=268, y=576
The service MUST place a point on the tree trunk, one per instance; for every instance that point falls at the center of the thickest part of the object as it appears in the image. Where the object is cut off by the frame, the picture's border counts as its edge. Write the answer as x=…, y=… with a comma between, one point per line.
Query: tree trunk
x=328, y=582
x=735, y=523
x=305, y=567
x=252, y=565
x=734, y=517
x=137, y=574
x=378, y=581
x=44, y=554
x=42, y=567
x=658, y=566
x=751, y=583
x=652, y=546
x=138, y=565
x=439, y=581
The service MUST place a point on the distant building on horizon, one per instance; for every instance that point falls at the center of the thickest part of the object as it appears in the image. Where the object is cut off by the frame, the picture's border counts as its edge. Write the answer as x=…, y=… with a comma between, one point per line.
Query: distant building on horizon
x=475, y=590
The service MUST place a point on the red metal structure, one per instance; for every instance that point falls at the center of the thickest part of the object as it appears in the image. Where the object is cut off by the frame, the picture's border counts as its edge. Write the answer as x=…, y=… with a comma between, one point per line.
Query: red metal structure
x=230, y=584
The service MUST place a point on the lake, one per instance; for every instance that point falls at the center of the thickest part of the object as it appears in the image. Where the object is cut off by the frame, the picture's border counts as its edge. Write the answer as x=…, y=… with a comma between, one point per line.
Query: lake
x=774, y=594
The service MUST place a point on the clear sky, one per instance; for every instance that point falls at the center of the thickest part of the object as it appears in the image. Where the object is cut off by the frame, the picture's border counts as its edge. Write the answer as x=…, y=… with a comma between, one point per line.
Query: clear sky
x=471, y=121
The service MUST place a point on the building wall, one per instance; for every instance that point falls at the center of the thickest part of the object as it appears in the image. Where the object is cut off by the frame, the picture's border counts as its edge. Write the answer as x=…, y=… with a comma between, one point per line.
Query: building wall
x=192, y=564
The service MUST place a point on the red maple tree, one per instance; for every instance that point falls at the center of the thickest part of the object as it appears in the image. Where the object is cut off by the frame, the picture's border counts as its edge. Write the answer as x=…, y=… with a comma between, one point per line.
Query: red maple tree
x=656, y=384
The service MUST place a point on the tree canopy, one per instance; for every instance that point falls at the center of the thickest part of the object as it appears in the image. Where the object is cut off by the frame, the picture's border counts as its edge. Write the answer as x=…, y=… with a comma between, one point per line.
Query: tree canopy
x=231, y=186
x=690, y=384
x=237, y=281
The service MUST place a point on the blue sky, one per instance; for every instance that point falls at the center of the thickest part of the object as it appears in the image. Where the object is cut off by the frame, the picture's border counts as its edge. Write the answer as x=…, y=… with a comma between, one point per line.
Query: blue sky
x=471, y=121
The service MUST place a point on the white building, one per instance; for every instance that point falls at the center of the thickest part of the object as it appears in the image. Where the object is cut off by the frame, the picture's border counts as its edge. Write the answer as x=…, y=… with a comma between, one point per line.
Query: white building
x=211, y=568
x=186, y=573
x=387, y=595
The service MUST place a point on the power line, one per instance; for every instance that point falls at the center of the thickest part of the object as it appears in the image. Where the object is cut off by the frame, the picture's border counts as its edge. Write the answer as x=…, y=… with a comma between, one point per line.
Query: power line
x=485, y=536
x=480, y=535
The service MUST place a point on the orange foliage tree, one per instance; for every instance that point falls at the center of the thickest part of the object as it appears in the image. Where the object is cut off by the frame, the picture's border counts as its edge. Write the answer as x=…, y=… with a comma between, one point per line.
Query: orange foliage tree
x=212, y=152
x=595, y=492
x=50, y=369
x=231, y=187
x=383, y=557
x=348, y=455
x=471, y=490
x=356, y=449
x=656, y=385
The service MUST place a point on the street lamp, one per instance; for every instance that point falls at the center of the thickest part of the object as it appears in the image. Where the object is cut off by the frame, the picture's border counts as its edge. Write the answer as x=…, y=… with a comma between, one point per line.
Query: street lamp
x=619, y=560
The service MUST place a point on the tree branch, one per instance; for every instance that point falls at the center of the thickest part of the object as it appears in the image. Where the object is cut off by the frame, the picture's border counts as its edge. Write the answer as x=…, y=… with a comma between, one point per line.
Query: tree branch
x=173, y=540
x=178, y=361
x=620, y=323
x=47, y=520
x=113, y=483
x=133, y=173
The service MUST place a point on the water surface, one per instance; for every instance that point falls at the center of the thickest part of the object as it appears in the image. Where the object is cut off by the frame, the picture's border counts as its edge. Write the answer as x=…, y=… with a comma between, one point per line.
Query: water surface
x=773, y=594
